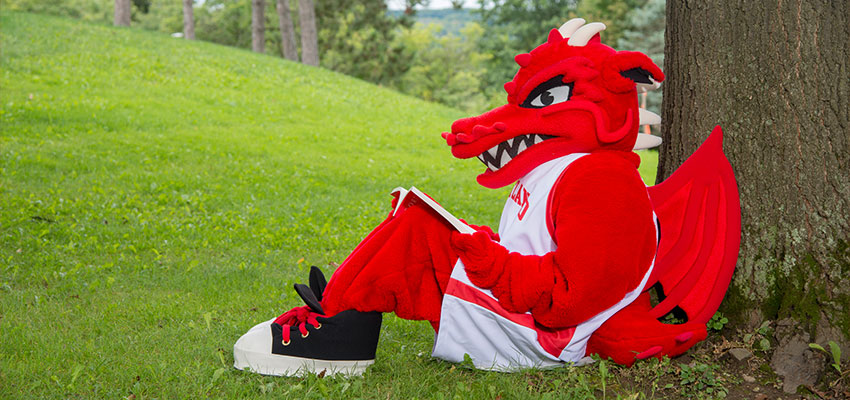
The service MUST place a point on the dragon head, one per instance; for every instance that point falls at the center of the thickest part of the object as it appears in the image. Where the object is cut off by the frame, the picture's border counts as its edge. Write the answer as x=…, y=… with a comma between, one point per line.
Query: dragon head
x=571, y=94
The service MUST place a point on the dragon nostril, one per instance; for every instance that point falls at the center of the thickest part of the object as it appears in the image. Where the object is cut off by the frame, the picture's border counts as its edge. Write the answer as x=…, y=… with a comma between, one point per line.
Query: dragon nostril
x=500, y=126
x=480, y=130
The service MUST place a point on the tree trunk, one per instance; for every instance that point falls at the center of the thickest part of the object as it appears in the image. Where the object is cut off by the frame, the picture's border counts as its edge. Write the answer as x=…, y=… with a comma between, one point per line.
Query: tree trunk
x=287, y=31
x=309, y=38
x=122, y=12
x=774, y=74
x=258, y=25
x=188, y=20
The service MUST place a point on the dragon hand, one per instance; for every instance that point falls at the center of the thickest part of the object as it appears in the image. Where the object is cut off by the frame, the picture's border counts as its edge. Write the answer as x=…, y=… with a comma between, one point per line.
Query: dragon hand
x=482, y=257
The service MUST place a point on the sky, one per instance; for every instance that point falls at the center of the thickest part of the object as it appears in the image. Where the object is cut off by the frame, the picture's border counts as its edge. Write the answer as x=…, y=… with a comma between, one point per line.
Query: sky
x=434, y=4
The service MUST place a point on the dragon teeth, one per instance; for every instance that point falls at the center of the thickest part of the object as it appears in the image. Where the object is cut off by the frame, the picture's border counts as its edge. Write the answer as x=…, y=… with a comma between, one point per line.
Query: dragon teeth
x=522, y=146
x=499, y=155
x=489, y=165
x=506, y=158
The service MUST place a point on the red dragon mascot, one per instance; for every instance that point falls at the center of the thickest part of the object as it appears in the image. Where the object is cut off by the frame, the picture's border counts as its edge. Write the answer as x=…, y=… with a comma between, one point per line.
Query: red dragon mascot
x=582, y=241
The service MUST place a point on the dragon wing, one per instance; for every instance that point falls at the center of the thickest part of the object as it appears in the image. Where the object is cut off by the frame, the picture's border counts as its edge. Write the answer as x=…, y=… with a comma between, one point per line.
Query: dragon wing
x=700, y=216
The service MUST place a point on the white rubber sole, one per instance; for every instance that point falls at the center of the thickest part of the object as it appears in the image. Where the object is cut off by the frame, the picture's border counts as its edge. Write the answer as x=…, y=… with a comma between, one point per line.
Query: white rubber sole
x=279, y=365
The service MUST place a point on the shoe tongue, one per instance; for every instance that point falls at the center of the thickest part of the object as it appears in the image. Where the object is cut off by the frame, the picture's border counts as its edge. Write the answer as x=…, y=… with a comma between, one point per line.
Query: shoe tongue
x=317, y=282
x=309, y=298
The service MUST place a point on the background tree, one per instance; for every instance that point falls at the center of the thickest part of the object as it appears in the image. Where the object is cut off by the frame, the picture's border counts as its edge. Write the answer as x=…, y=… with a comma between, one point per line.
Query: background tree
x=429, y=79
x=143, y=6
x=258, y=25
x=188, y=20
x=410, y=6
x=613, y=13
x=359, y=38
x=774, y=74
x=122, y=12
x=226, y=22
x=517, y=26
x=309, y=37
x=166, y=16
x=287, y=31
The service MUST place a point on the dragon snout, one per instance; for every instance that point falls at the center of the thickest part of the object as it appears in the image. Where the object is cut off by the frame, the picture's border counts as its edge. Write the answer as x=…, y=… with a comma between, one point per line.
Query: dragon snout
x=467, y=130
x=464, y=124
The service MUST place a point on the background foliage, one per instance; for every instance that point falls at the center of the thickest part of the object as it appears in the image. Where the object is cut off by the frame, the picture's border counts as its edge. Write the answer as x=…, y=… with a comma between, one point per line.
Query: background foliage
x=458, y=57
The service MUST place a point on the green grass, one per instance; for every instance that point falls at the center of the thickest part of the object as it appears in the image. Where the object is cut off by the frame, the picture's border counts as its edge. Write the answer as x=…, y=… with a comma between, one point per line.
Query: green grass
x=159, y=197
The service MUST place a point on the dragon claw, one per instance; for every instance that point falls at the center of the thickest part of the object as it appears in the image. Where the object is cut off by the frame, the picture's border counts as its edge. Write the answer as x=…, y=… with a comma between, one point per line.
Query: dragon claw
x=649, y=352
x=684, y=337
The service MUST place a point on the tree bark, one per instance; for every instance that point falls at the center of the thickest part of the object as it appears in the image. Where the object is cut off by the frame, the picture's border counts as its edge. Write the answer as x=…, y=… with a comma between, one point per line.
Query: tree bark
x=122, y=12
x=188, y=19
x=309, y=38
x=287, y=31
x=258, y=25
x=775, y=75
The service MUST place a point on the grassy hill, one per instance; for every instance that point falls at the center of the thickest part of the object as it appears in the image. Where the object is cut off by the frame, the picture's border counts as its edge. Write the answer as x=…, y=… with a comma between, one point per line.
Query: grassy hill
x=158, y=197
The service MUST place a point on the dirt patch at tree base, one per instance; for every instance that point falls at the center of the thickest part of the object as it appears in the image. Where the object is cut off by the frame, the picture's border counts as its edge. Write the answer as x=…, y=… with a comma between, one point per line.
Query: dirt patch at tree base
x=733, y=365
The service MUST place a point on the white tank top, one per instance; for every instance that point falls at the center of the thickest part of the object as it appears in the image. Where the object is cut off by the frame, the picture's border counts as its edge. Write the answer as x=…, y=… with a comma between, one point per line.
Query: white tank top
x=523, y=227
x=472, y=322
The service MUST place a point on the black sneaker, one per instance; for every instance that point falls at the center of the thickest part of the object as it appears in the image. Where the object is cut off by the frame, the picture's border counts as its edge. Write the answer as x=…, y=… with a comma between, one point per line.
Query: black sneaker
x=303, y=341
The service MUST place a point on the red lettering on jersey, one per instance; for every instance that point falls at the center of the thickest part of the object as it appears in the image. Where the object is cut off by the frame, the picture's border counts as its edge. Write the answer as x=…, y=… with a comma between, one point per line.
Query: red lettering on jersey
x=520, y=196
x=524, y=204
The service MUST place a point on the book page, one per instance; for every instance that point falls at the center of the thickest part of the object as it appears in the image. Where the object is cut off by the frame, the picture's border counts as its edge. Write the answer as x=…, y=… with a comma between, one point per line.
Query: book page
x=413, y=196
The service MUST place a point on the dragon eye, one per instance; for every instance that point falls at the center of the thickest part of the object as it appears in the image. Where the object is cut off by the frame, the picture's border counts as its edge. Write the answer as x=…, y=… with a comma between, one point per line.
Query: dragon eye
x=555, y=95
x=553, y=91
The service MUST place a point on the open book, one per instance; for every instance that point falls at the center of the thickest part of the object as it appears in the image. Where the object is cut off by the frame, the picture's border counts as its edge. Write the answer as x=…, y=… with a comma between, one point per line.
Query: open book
x=409, y=197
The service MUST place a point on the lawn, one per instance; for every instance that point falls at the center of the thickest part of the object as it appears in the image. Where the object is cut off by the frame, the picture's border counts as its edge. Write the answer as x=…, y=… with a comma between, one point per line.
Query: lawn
x=159, y=197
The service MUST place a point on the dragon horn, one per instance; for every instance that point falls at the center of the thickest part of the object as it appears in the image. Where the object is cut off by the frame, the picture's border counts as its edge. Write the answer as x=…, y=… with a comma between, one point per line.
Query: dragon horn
x=569, y=27
x=583, y=34
x=645, y=141
x=648, y=117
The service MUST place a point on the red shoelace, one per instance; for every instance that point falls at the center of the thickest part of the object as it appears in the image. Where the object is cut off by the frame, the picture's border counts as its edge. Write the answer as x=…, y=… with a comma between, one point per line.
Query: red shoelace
x=300, y=316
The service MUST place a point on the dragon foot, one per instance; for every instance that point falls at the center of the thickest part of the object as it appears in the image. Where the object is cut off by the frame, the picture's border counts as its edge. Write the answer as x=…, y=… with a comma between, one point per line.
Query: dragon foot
x=633, y=334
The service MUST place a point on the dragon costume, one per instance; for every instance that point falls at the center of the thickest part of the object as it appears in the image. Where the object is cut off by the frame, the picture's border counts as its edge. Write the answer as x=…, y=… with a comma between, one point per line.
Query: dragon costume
x=582, y=241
